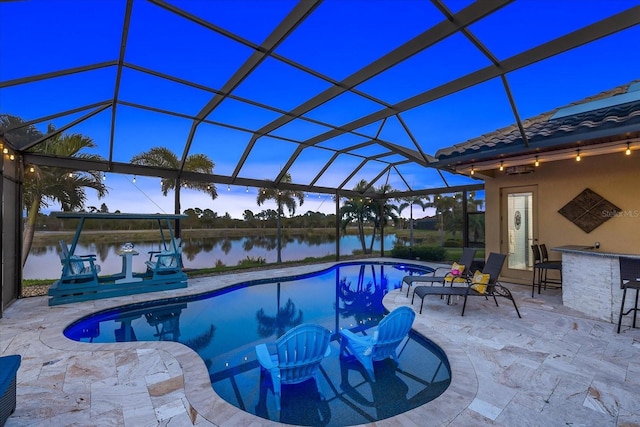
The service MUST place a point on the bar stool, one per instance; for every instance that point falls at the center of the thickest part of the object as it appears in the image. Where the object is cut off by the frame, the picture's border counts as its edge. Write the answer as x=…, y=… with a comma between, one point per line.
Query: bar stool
x=551, y=264
x=540, y=268
x=629, y=279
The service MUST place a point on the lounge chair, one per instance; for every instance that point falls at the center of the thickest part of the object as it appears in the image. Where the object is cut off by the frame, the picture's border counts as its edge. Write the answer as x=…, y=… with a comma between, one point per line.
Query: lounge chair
x=483, y=284
x=295, y=357
x=455, y=273
x=382, y=342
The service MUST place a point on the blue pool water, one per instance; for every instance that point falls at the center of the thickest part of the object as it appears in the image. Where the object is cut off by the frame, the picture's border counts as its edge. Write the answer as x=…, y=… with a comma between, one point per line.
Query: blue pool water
x=224, y=326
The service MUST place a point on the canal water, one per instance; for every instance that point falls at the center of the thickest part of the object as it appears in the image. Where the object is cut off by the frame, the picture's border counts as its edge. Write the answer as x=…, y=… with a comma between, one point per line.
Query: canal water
x=44, y=260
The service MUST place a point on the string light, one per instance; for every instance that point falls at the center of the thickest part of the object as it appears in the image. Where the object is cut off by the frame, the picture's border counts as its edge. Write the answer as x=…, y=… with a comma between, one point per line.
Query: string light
x=628, y=152
x=134, y=179
x=70, y=174
x=5, y=150
x=473, y=170
x=578, y=156
x=32, y=169
x=228, y=187
x=537, y=163
x=104, y=177
x=247, y=190
x=11, y=157
x=501, y=166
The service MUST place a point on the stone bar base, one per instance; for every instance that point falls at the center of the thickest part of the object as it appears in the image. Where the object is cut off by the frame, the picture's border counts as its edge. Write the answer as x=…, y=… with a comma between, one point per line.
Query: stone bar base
x=591, y=285
x=591, y=282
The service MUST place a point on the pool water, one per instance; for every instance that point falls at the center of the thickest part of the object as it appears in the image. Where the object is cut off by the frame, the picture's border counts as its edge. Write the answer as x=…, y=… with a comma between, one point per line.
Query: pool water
x=224, y=327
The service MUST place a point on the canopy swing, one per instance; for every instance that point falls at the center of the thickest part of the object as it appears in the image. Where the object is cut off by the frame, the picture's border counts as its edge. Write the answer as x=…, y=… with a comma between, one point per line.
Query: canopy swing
x=81, y=281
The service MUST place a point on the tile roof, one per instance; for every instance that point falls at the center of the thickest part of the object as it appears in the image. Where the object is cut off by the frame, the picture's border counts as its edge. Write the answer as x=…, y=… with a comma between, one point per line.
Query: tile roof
x=545, y=132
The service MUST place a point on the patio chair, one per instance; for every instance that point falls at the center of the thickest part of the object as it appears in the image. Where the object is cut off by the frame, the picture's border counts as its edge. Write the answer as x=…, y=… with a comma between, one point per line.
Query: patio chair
x=483, y=284
x=629, y=279
x=541, y=266
x=295, y=357
x=382, y=342
x=167, y=263
x=77, y=268
x=456, y=272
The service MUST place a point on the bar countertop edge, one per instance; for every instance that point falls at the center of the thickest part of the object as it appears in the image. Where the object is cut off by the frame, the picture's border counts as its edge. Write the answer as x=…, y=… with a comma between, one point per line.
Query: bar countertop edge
x=592, y=250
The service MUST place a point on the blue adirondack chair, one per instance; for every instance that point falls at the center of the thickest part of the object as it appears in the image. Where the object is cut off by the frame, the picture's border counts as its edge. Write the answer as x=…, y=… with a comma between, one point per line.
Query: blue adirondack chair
x=77, y=268
x=295, y=357
x=380, y=343
x=166, y=264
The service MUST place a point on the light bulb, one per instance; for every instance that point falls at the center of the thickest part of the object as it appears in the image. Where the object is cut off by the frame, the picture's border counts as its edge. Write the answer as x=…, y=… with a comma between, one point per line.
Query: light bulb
x=134, y=179
x=578, y=156
x=537, y=163
x=32, y=169
x=501, y=166
x=472, y=170
x=628, y=152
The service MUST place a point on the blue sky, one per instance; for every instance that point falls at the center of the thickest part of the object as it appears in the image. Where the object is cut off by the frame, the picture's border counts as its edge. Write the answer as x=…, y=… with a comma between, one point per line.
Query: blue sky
x=337, y=40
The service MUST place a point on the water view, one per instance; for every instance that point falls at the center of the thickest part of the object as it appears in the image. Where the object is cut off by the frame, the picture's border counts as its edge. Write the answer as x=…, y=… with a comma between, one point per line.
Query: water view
x=44, y=260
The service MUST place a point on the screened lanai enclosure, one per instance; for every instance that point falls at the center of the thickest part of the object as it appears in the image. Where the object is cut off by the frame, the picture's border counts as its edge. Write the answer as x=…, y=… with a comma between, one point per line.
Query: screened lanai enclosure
x=231, y=106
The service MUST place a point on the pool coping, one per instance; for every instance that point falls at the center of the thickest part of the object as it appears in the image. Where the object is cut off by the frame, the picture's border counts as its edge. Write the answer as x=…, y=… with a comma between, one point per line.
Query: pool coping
x=203, y=400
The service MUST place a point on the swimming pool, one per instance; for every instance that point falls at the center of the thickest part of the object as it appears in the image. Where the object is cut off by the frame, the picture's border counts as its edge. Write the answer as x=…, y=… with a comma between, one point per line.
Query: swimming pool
x=224, y=326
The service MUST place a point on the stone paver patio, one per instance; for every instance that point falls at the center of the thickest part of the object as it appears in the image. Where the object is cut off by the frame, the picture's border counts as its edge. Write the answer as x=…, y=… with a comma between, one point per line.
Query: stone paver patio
x=552, y=367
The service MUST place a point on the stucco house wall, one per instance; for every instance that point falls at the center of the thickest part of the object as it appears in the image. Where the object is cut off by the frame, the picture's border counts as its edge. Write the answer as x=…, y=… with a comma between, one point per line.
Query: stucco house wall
x=616, y=177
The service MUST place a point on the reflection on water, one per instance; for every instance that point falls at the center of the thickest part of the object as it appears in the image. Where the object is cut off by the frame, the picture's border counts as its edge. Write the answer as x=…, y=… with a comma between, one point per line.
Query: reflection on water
x=224, y=327
x=286, y=318
x=44, y=261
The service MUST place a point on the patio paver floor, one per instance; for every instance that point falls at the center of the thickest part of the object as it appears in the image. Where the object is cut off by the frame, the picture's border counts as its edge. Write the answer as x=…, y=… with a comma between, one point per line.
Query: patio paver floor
x=552, y=367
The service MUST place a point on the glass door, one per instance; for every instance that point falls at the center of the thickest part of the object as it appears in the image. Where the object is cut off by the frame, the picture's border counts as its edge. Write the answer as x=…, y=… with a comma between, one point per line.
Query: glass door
x=519, y=228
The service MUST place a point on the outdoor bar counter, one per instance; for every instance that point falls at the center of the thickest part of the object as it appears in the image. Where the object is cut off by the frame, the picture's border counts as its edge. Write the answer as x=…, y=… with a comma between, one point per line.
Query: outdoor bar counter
x=591, y=281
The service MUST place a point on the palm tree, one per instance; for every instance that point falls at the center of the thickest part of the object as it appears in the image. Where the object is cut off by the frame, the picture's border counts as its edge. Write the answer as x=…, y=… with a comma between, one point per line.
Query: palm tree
x=47, y=184
x=358, y=210
x=408, y=202
x=444, y=206
x=282, y=198
x=362, y=210
x=164, y=158
x=382, y=213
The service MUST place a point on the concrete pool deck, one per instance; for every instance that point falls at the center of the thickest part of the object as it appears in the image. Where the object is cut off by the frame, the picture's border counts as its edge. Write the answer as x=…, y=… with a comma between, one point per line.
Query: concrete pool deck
x=552, y=367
